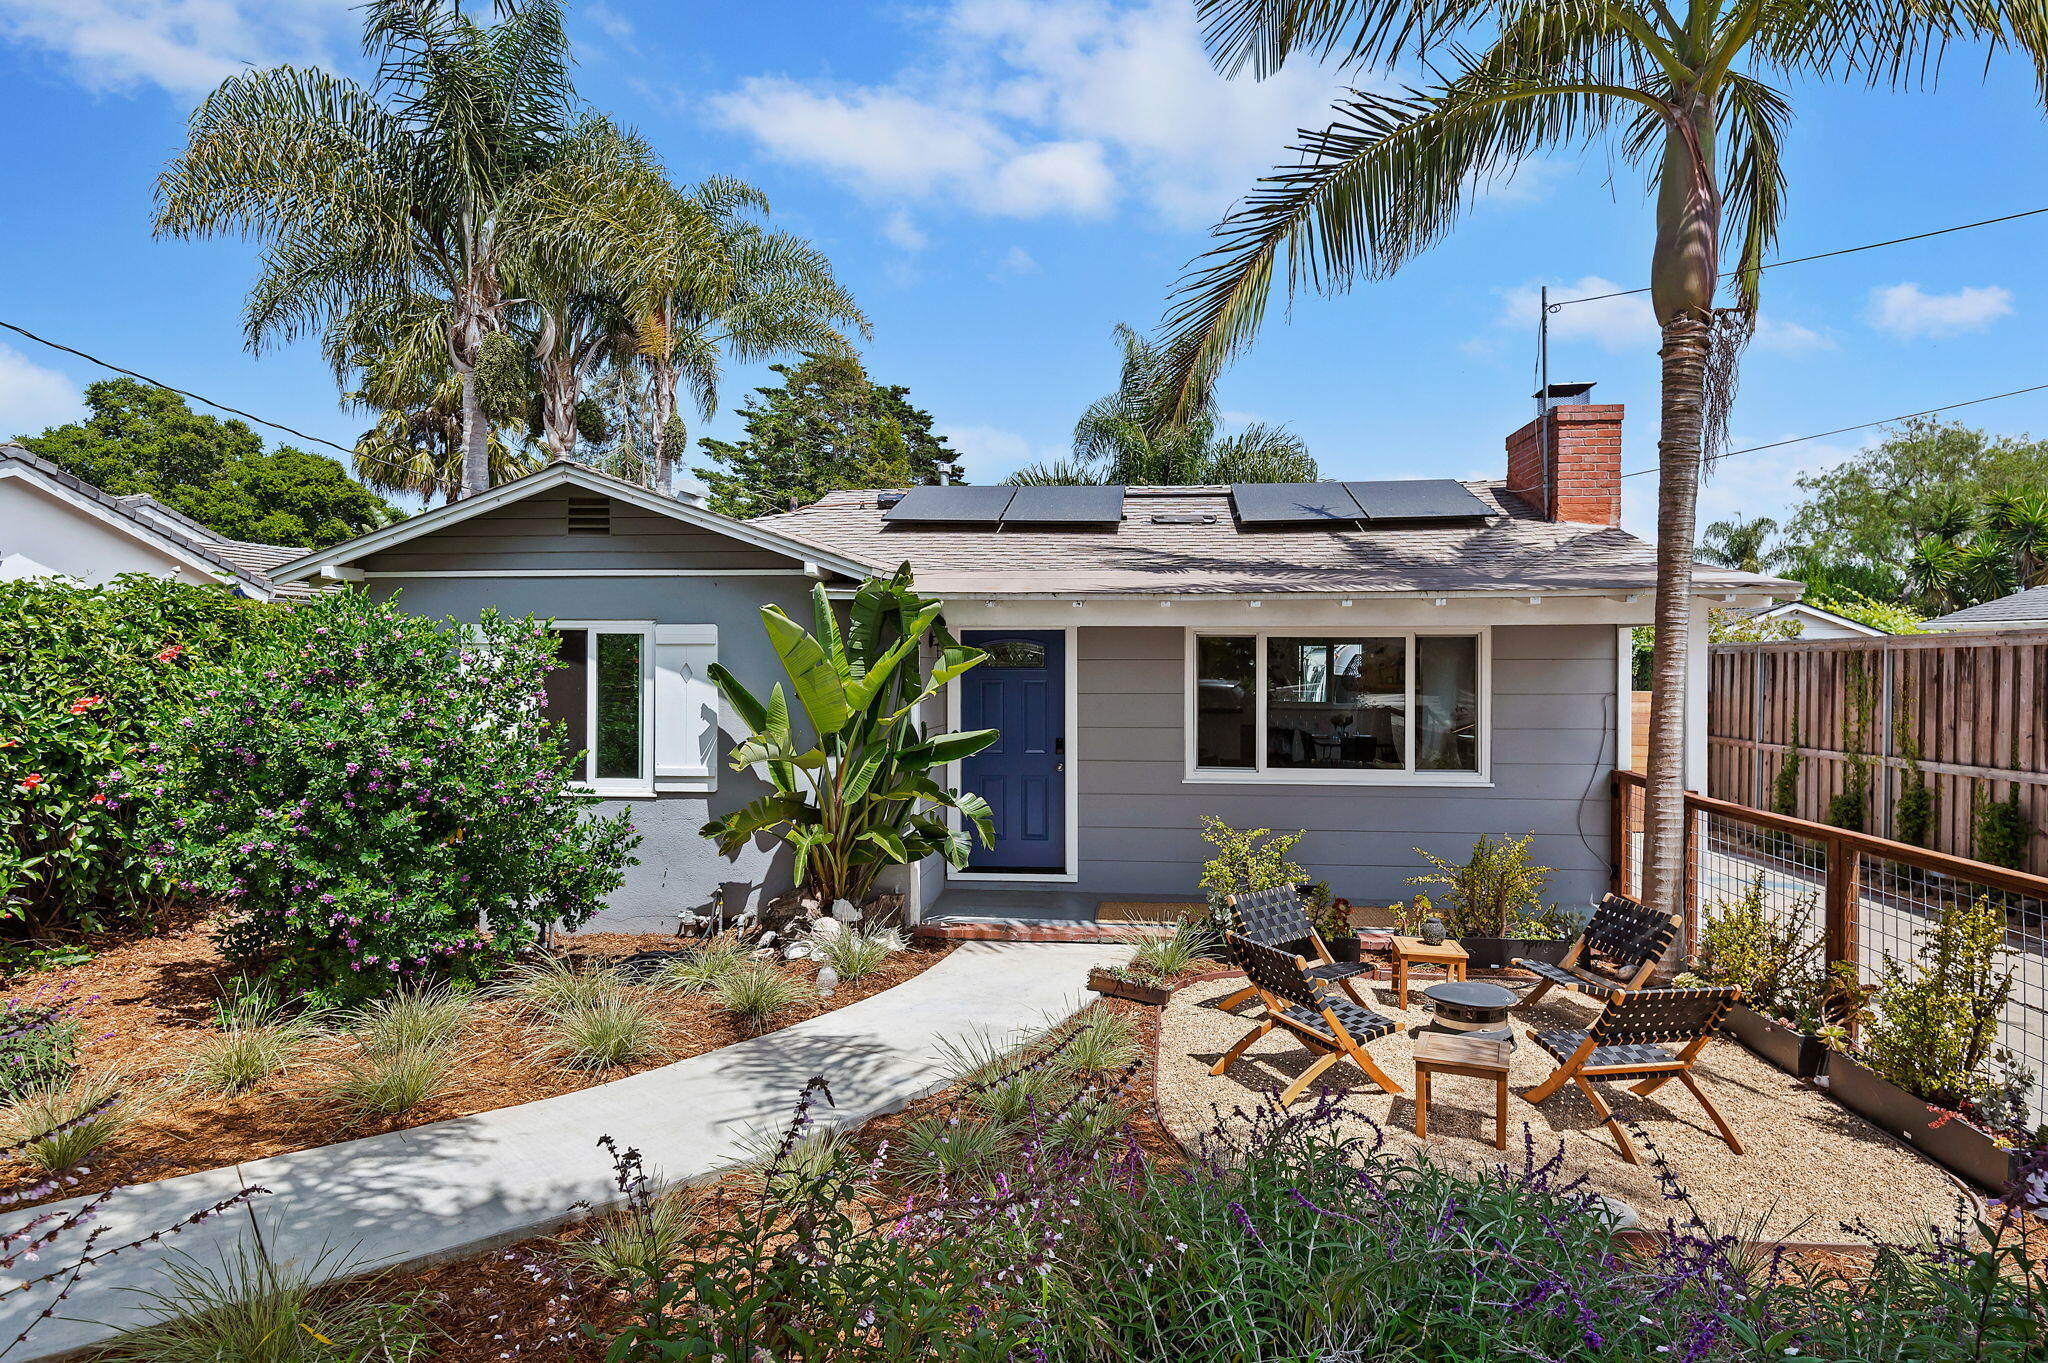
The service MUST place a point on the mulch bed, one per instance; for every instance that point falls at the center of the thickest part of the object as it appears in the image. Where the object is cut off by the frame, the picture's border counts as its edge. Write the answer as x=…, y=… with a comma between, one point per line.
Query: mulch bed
x=152, y=997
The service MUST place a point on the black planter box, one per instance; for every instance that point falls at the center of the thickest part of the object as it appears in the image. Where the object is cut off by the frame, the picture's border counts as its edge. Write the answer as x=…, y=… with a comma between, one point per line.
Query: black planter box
x=1954, y=1144
x=1499, y=953
x=1794, y=1052
x=1344, y=947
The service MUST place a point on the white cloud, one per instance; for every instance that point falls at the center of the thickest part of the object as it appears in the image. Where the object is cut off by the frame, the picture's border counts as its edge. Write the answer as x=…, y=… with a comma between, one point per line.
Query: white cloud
x=1908, y=312
x=899, y=231
x=1744, y=485
x=32, y=397
x=610, y=22
x=1788, y=338
x=1015, y=261
x=183, y=46
x=1614, y=323
x=1030, y=108
x=991, y=454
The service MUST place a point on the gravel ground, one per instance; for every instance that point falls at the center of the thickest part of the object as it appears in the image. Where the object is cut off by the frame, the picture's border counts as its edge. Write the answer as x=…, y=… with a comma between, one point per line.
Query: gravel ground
x=1811, y=1165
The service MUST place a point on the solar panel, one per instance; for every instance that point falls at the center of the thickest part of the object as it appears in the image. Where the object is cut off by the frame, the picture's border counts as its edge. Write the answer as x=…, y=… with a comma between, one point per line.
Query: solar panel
x=1065, y=506
x=1293, y=504
x=957, y=504
x=1418, y=499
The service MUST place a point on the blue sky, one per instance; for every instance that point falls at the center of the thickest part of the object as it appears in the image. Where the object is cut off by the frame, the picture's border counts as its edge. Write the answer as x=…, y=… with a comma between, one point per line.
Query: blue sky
x=1000, y=182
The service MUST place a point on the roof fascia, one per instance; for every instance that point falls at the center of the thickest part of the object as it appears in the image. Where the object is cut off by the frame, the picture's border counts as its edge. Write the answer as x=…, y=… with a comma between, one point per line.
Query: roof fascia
x=135, y=527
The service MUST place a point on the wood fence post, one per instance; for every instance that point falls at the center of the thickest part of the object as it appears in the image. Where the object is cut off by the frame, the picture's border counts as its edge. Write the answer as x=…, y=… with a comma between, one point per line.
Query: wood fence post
x=1618, y=831
x=1844, y=889
x=1688, y=885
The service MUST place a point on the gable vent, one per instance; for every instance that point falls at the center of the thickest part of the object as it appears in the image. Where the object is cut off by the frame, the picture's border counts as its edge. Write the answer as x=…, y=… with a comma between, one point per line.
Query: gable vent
x=590, y=515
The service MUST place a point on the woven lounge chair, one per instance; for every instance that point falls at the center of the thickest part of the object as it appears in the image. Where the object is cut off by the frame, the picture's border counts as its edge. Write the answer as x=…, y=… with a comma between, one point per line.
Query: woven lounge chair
x=1307, y=1009
x=1618, y=950
x=1276, y=918
x=1629, y=1041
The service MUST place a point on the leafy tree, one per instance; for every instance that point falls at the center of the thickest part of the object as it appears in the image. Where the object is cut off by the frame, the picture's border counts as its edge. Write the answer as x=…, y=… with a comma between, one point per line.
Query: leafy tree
x=1742, y=543
x=1873, y=507
x=1133, y=436
x=828, y=426
x=140, y=439
x=1888, y=616
x=1683, y=89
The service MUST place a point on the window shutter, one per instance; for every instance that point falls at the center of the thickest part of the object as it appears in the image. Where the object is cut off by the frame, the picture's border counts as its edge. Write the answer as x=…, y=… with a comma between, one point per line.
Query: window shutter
x=685, y=705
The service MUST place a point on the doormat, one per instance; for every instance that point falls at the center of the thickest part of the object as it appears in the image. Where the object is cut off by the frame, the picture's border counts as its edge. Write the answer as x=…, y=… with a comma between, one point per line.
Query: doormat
x=1132, y=911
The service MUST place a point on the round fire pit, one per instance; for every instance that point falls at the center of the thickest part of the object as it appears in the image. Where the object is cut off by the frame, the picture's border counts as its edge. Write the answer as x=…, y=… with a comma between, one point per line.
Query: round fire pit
x=1472, y=1008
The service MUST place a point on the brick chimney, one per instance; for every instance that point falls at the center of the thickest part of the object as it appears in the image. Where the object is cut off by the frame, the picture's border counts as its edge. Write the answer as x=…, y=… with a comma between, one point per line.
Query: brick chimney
x=1567, y=462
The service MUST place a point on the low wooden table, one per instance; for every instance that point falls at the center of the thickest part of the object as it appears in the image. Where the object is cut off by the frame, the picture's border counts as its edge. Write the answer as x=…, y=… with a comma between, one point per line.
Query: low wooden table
x=1414, y=951
x=1439, y=1053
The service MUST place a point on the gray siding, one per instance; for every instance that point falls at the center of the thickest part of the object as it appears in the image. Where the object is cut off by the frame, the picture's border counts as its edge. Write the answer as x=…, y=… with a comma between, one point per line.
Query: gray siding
x=678, y=869
x=1553, y=744
x=533, y=535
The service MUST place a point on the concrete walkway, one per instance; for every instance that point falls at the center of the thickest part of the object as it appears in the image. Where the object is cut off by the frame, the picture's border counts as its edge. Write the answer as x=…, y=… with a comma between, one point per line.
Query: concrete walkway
x=461, y=1186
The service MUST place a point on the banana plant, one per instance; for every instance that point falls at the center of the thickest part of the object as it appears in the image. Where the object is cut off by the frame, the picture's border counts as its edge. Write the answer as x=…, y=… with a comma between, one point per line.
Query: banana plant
x=859, y=790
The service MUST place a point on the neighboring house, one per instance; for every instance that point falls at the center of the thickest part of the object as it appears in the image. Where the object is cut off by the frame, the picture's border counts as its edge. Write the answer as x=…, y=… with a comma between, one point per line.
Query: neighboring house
x=2022, y=610
x=1815, y=623
x=55, y=524
x=1441, y=661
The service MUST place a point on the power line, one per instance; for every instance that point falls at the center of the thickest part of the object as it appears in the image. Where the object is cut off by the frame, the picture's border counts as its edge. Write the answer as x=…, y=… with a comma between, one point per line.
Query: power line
x=159, y=383
x=1863, y=425
x=1824, y=255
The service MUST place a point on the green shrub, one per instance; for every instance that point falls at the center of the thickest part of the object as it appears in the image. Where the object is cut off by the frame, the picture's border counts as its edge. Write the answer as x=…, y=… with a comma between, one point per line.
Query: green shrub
x=950, y=1151
x=1770, y=958
x=87, y=675
x=38, y=1040
x=1247, y=859
x=1102, y=1041
x=854, y=953
x=413, y=1015
x=755, y=991
x=59, y=1126
x=378, y=800
x=628, y=1243
x=614, y=1029
x=550, y=986
x=2002, y=833
x=1188, y=947
x=249, y=1308
x=781, y=1168
x=1785, y=785
x=248, y=1050
x=1936, y=1017
x=703, y=968
x=1497, y=892
x=387, y=1083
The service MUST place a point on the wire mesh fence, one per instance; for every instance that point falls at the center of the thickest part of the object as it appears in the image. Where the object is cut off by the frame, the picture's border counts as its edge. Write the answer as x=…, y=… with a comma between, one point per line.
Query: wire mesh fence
x=1861, y=899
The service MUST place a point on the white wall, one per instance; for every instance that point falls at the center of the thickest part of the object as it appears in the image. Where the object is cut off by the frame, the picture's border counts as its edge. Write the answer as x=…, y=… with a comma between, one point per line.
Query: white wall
x=75, y=542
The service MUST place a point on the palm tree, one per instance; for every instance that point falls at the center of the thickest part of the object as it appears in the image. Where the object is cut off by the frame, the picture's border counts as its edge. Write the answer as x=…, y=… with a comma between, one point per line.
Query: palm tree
x=420, y=184
x=2018, y=517
x=1673, y=83
x=1740, y=544
x=697, y=280
x=1934, y=571
x=1131, y=437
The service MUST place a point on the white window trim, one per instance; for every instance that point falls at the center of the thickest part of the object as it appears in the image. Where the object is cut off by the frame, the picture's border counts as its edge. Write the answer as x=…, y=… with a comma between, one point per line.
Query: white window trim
x=1072, y=635
x=644, y=783
x=1260, y=775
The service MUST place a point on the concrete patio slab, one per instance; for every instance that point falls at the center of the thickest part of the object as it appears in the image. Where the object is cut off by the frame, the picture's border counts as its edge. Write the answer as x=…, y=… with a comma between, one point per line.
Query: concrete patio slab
x=435, y=1192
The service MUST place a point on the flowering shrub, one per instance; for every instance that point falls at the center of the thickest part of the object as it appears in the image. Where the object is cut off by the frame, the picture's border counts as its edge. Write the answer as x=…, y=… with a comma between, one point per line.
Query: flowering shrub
x=377, y=799
x=85, y=672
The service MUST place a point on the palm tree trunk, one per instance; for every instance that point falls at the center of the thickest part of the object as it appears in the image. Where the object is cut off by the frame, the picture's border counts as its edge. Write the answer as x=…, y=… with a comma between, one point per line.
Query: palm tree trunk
x=476, y=438
x=664, y=396
x=1687, y=341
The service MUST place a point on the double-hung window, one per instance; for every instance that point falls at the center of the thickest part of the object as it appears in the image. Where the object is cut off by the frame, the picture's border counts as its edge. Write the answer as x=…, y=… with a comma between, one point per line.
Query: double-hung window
x=1365, y=707
x=600, y=691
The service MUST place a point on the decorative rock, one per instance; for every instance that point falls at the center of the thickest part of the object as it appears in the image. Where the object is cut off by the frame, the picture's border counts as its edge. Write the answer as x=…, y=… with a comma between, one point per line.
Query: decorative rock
x=1625, y=1217
x=769, y=939
x=828, y=980
x=810, y=906
x=844, y=911
x=796, y=951
x=827, y=928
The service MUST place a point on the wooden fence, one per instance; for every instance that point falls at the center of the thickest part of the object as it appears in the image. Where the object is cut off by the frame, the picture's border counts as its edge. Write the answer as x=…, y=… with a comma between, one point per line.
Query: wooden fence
x=1973, y=704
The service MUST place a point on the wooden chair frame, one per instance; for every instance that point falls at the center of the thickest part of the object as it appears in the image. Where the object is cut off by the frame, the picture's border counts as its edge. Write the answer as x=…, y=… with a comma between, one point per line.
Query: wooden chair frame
x=1309, y=935
x=1651, y=1074
x=1608, y=922
x=1284, y=994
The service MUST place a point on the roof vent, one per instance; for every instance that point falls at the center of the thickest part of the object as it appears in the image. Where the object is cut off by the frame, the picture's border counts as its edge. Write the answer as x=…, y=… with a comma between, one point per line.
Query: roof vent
x=1183, y=518
x=885, y=500
x=1576, y=394
x=590, y=515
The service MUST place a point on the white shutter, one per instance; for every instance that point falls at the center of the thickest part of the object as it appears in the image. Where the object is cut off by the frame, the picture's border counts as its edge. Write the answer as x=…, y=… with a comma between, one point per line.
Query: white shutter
x=685, y=707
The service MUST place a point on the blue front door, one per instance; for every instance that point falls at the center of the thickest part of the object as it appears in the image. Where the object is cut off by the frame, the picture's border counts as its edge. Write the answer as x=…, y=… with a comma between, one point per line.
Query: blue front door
x=1021, y=692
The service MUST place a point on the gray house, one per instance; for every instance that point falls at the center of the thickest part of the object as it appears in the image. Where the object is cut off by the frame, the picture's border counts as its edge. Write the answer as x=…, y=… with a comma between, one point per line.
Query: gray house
x=1385, y=664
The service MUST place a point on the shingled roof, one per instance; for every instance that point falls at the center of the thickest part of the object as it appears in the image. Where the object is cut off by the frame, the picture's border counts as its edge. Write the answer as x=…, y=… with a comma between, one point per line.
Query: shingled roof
x=1186, y=540
x=2021, y=610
